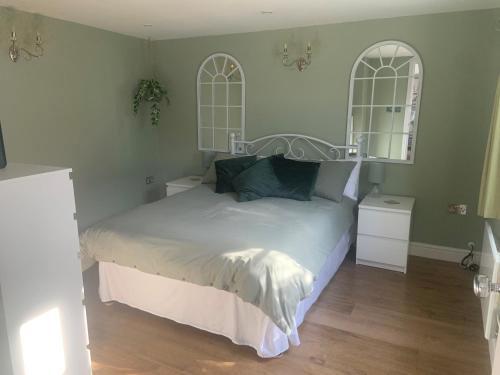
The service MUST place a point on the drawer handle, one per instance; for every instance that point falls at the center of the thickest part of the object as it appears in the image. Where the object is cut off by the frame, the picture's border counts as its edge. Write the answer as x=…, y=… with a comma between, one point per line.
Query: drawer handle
x=483, y=286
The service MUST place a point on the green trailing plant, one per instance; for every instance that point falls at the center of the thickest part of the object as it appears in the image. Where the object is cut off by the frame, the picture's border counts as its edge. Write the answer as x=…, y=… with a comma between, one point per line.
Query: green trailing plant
x=150, y=90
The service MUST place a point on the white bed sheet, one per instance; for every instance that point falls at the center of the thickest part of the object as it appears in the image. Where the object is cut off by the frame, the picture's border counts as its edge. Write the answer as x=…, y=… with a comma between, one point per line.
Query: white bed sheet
x=212, y=309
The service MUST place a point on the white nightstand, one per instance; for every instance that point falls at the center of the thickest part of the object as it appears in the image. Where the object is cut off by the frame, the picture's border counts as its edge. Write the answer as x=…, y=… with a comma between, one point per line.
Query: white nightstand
x=384, y=231
x=182, y=184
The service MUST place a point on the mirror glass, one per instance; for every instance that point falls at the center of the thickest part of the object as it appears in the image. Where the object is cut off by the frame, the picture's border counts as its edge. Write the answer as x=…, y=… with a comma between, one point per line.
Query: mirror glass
x=221, y=102
x=385, y=91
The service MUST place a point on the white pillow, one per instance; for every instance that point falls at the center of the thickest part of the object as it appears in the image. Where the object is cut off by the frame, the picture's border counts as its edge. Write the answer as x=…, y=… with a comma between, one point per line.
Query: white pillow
x=352, y=185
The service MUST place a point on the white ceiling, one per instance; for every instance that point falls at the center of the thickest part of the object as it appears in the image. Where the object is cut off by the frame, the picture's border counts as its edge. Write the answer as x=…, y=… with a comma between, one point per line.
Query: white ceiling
x=187, y=18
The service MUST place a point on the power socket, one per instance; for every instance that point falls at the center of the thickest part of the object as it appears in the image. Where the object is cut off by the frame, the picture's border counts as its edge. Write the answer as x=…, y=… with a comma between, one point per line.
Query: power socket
x=150, y=180
x=457, y=209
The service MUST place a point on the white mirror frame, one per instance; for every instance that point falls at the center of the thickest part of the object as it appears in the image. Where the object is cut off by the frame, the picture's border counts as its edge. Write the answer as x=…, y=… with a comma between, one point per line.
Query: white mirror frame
x=417, y=109
x=241, y=130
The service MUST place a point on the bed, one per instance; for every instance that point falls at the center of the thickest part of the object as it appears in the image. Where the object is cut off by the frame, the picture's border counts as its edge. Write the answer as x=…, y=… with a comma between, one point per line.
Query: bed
x=248, y=271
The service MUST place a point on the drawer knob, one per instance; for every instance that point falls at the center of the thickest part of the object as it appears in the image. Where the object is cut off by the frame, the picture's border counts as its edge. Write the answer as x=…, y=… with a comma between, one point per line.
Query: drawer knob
x=483, y=287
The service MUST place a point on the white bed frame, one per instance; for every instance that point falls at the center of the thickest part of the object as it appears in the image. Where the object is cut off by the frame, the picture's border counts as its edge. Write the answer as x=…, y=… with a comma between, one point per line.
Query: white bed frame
x=219, y=311
x=294, y=146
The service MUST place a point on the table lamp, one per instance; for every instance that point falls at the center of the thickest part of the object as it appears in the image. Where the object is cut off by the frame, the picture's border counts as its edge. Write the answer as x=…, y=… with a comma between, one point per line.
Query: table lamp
x=376, y=175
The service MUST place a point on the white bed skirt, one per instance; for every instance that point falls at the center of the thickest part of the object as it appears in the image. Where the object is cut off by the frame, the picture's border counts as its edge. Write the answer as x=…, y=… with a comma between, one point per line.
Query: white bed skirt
x=211, y=309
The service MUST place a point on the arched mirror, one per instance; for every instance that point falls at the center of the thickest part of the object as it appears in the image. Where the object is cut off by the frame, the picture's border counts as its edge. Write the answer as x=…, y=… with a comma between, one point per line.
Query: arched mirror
x=384, y=100
x=221, y=102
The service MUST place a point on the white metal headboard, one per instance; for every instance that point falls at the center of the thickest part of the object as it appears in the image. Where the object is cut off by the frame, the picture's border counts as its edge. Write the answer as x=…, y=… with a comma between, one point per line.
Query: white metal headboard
x=294, y=146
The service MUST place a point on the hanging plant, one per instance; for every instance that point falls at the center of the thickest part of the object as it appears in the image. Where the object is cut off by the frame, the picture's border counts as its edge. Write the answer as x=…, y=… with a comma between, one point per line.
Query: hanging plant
x=150, y=90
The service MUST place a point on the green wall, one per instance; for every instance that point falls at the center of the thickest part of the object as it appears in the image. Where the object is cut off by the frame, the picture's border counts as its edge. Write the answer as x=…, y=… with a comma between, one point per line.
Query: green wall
x=495, y=226
x=5, y=361
x=458, y=53
x=72, y=108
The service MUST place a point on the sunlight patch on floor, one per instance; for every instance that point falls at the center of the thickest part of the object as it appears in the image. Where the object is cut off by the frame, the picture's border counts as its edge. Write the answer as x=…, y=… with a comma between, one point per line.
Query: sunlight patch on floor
x=207, y=363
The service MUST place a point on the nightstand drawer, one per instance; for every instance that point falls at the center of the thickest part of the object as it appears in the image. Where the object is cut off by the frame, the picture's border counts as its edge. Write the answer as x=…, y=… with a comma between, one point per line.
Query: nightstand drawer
x=382, y=250
x=384, y=224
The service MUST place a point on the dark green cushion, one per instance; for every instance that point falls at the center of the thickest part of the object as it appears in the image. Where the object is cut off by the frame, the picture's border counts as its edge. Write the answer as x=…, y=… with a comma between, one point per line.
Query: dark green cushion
x=297, y=178
x=276, y=176
x=227, y=170
x=256, y=182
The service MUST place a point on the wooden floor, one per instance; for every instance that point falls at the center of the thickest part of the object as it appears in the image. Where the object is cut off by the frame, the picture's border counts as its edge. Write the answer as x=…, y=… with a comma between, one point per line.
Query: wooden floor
x=367, y=321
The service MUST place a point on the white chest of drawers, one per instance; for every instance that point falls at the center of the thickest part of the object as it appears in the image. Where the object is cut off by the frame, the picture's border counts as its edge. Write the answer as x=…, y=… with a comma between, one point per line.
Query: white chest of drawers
x=43, y=329
x=384, y=225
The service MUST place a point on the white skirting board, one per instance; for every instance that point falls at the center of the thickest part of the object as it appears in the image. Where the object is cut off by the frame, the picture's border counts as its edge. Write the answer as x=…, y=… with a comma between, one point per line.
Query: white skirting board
x=449, y=254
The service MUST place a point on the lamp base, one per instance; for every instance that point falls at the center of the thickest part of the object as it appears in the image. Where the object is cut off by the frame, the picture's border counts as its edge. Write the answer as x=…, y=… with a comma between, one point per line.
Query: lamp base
x=376, y=192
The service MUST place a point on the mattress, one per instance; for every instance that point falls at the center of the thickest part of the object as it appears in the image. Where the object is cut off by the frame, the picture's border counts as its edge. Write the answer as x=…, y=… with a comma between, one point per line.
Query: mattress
x=211, y=309
x=267, y=252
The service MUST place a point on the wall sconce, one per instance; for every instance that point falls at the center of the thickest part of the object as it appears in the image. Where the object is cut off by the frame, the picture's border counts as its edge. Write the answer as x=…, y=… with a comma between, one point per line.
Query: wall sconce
x=15, y=51
x=301, y=62
x=232, y=67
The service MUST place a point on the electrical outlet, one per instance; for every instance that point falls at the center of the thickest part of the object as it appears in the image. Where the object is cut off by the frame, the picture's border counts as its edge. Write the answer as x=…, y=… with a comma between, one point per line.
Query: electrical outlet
x=457, y=209
x=150, y=180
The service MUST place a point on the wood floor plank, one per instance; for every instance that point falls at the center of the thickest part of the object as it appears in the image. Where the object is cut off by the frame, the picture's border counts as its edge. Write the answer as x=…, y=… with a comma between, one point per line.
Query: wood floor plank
x=367, y=321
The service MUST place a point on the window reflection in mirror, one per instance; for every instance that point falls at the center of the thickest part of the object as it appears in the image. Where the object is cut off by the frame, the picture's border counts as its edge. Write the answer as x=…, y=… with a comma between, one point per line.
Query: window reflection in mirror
x=385, y=90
